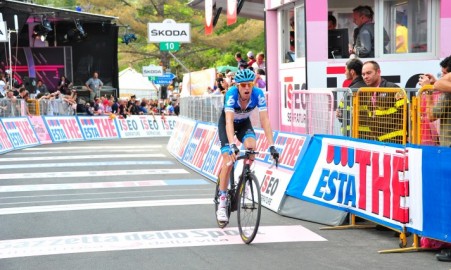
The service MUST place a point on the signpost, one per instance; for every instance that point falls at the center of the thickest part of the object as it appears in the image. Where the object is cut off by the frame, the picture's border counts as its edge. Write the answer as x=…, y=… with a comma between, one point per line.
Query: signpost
x=152, y=71
x=169, y=32
x=165, y=79
x=169, y=46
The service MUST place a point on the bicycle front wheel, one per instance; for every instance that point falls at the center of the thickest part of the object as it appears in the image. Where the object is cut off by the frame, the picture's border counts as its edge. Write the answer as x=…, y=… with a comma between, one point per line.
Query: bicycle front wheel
x=249, y=208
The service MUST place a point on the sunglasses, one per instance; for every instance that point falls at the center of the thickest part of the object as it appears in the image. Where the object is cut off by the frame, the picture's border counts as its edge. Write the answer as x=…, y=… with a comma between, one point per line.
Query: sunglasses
x=246, y=84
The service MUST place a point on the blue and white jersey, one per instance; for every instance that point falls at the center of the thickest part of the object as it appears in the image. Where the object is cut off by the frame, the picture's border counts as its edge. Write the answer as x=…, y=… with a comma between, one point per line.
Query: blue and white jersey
x=232, y=104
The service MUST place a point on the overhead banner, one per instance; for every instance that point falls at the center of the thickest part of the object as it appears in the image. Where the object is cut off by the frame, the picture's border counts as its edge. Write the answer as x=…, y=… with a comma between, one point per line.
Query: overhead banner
x=145, y=126
x=231, y=11
x=5, y=143
x=98, y=127
x=20, y=132
x=208, y=17
x=63, y=128
x=377, y=181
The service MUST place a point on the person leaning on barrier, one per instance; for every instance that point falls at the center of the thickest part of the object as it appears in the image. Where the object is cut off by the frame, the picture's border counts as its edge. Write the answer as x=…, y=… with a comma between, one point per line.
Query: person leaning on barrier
x=385, y=108
x=354, y=74
x=441, y=110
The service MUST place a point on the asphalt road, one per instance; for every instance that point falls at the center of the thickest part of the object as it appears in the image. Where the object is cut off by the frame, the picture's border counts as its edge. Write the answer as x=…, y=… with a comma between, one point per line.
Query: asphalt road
x=129, y=204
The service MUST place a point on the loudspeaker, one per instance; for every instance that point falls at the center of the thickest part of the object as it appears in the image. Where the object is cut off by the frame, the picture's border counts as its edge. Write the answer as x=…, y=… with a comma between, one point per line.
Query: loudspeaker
x=163, y=92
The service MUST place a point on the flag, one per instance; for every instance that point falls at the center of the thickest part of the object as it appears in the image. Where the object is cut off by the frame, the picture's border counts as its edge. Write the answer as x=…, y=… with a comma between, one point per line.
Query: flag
x=231, y=12
x=208, y=17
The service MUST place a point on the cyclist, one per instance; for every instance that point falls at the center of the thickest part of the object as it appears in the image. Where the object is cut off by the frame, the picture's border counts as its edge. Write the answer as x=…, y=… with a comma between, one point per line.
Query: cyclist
x=239, y=101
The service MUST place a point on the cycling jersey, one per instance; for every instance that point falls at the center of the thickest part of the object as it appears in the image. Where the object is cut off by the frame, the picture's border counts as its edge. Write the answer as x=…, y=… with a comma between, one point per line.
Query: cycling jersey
x=232, y=104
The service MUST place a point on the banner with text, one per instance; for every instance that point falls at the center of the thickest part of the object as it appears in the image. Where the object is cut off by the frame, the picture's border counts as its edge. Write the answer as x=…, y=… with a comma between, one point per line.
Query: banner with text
x=381, y=182
x=20, y=132
x=136, y=126
x=98, y=127
x=63, y=128
x=181, y=136
x=5, y=143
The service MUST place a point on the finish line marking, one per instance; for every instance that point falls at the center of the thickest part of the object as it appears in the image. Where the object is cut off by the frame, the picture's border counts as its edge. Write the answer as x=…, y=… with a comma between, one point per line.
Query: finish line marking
x=83, y=164
x=96, y=206
x=100, y=185
x=150, y=240
x=89, y=173
x=80, y=157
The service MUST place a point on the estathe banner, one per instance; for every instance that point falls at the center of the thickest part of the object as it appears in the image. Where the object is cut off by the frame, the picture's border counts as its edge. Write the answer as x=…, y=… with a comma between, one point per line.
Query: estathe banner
x=5, y=143
x=98, y=127
x=373, y=180
x=180, y=139
x=20, y=132
x=63, y=128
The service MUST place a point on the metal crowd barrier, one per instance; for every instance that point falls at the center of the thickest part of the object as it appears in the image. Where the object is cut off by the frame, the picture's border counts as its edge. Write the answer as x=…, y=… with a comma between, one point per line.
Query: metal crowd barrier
x=208, y=109
x=12, y=107
x=432, y=119
x=55, y=107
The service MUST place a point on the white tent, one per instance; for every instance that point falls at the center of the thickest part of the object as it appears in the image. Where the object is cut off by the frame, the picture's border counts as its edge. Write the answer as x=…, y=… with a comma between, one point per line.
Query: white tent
x=131, y=82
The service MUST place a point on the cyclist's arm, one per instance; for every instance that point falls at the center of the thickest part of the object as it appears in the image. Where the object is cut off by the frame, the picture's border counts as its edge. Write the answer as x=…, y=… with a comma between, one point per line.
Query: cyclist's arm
x=264, y=120
x=229, y=126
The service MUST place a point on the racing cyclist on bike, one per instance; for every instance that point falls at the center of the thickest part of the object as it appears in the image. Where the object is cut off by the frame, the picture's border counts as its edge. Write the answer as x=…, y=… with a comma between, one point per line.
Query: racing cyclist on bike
x=239, y=101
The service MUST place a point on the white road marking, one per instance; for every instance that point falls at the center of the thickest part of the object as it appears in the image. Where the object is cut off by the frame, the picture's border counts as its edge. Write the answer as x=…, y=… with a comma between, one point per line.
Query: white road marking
x=101, y=185
x=83, y=164
x=149, y=240
x=96, y=206
x=104, y=147
x=78, y=151
x=72, y=157
x=66, y=174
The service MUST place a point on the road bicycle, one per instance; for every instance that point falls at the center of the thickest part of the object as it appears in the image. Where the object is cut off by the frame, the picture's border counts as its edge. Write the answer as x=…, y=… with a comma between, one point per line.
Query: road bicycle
x=244, y=197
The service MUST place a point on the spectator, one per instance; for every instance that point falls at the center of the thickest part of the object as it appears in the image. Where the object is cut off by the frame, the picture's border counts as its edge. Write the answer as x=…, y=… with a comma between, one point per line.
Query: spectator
x=94, y=84
x=251, y=59
x=2, y=86
x=240, y=61
x=260, y=63
x=354, y=74
x=132, y=108
x=364, y=33
x=177, y=109
x=402, y=34
x=260, y=79
x=386, y=109
x=41, y=87
x=64, y=85
x=219, y=83
x=331, y=22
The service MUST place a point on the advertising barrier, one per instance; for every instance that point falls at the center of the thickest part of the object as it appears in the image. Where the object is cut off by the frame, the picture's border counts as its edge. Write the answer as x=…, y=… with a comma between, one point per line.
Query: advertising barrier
x=136, y=126
x=41, y=131
x=63, y=128
x=5, y=143
x=20, y=132
x=197, y=145
x=98, y=128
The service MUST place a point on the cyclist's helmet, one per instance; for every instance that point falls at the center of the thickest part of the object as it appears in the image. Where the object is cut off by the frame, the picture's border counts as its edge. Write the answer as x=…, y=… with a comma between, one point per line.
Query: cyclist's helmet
x=244, y=75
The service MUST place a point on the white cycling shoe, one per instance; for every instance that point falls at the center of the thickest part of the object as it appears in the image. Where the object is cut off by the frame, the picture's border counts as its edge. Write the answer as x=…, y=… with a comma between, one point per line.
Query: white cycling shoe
x=221, y=214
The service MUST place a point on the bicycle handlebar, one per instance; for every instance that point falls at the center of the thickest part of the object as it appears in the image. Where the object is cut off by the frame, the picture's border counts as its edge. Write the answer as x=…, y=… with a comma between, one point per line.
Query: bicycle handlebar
x=252, y=152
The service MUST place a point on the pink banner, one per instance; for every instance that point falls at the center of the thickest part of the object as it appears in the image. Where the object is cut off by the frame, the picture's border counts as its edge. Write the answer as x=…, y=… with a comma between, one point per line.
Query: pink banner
x=39, y=127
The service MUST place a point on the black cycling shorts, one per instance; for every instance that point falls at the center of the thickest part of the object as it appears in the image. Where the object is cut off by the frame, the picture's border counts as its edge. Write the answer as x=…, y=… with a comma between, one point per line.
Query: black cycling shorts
x=243, y=130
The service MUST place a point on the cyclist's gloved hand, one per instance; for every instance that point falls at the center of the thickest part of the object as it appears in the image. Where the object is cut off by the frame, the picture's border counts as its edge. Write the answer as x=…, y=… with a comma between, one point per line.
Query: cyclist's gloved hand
x=274, y=153
x=234, y=149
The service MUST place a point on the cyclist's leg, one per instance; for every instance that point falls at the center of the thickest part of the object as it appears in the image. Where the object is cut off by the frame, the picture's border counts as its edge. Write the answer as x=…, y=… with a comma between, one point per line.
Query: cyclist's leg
x=226, y=166
x=246, y=135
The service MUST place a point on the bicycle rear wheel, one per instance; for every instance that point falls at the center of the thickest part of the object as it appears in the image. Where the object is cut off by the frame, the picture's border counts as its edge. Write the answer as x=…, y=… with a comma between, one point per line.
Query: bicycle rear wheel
x=249, y=208
x=221, y=224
